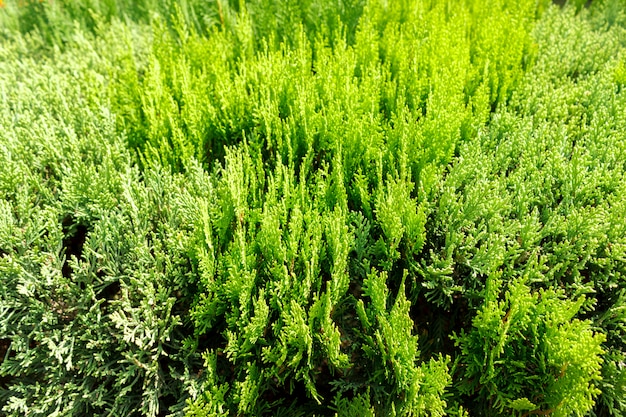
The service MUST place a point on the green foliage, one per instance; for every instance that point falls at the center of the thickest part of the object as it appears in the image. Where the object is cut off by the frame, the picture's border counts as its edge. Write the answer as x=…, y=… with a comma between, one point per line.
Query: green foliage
x=538, y=191
x=278, y=293
x=280, y=207
x=529, y=346
x=93, y=254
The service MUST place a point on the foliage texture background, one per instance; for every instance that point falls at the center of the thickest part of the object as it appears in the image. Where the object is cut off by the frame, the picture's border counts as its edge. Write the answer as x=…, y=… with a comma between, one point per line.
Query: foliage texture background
x=277, y=207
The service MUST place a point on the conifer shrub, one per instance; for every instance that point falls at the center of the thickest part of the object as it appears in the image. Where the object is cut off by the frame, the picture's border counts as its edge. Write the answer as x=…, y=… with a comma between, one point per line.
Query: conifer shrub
x=527, y=354
x=93, y=258
x=312, y=208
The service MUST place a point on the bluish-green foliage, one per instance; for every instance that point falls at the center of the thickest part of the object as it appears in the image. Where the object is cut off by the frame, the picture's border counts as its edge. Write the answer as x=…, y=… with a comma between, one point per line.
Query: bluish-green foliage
x=94, y=261
x=349, y=208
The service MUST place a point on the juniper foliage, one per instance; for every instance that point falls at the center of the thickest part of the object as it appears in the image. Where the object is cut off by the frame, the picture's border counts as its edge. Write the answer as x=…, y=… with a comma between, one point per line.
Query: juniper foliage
x=312, y=208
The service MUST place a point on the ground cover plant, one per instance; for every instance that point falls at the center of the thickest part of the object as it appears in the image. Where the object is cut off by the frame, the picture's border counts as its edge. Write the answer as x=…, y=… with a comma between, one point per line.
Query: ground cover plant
x=293, y=208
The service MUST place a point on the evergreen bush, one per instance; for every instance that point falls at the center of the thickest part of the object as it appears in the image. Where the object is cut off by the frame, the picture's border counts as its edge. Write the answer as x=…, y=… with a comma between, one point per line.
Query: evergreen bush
x=294, y=208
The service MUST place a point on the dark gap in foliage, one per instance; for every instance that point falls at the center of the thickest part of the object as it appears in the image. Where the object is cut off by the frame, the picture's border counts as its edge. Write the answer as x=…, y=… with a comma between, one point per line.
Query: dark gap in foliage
x=435, y=325
x=215, y=149
x=475, y=402
x=165, y=410
x=461, y=274
x=258, y=145
x=353, y=380
x=494, y=106
x=324, y=379
x=292, y=396
x=577, y=3
x=4, y=348
x=215, y=341
x=75, y=235
x=607, y=298
x=6, y=383
x=168, y=399
x=110, y=291
x=321, y=159
x=185, y=300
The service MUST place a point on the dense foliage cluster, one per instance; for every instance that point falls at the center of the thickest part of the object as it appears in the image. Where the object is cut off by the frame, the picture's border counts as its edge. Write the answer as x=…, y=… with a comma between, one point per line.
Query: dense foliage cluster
x=293, y=208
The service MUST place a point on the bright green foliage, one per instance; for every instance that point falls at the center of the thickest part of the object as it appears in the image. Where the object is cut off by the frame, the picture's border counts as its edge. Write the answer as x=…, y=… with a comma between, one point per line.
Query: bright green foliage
x=321, y=158
x=279, y=207
x=276, y=289
x=538, y=193
x=405, y=81
x=529, y=346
